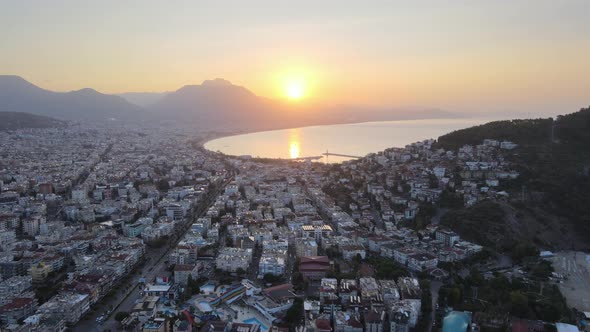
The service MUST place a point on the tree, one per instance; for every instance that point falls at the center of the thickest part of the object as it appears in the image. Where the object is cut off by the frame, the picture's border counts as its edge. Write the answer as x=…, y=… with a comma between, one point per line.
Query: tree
x=295, y=313
x=387, y=268
x=426, y=300
x=271, y=278
x=519, y=304
x=542, y=271
x=299, y=283
x=163, y=185
x=522, y=250
x=119, y=316
x=452, y=295
x=192, y=286
x=432, y=181
x=451, y=200
x=424, y=216
x=475, y=277
x=240, y=271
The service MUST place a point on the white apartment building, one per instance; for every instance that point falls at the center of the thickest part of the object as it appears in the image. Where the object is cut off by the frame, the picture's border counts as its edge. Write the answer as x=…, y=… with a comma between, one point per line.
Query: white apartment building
x=232, y=259
x=271, y=263
x=69, y=306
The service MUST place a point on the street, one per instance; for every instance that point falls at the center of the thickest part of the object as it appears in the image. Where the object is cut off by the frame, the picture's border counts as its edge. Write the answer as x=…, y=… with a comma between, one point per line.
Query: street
x=125, y=300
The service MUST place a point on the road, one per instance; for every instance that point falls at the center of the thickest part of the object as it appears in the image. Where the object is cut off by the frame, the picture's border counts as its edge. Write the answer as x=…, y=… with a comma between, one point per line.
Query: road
x=155, y=266
x=128, y=289
x=434, y=289
x=102, y=157
x=377, y=215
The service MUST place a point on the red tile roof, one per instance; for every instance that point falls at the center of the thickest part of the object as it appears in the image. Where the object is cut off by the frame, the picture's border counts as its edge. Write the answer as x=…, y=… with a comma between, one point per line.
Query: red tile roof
x=314, y=259
x=16, y=303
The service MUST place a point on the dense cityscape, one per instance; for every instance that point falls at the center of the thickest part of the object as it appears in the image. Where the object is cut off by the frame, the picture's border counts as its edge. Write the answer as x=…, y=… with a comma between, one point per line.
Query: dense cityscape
x=294, y=166
x=142, y=229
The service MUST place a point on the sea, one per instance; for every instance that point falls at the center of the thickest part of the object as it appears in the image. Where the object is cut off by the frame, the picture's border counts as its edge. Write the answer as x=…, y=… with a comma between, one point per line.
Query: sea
x=337, y=143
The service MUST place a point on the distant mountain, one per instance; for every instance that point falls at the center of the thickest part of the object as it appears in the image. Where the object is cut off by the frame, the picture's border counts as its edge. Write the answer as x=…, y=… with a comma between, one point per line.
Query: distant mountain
x=15, y=120
x=143, y=99
x=214, y=104
x=220, y=104
x=18, y=95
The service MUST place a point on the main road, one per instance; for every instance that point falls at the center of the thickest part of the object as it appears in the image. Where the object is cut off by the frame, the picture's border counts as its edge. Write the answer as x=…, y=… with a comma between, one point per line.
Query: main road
x=125, y=300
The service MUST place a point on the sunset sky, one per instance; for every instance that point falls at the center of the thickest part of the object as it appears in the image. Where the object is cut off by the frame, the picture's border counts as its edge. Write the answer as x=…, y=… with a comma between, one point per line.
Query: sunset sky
x=480, y=56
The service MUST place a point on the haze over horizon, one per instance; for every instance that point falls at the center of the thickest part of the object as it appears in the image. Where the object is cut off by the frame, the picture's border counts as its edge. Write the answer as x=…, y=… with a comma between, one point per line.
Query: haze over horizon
x=522, y=56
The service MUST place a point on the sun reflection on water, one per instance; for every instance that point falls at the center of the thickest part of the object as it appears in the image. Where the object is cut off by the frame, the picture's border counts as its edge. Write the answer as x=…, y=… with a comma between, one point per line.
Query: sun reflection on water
x=294, y=151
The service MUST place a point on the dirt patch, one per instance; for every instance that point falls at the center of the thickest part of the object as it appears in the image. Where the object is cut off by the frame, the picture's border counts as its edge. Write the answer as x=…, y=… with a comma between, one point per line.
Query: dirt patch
x=575, y=267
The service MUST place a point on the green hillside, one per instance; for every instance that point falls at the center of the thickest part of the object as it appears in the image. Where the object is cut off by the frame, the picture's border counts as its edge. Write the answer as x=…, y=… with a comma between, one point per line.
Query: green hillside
x=551, y=198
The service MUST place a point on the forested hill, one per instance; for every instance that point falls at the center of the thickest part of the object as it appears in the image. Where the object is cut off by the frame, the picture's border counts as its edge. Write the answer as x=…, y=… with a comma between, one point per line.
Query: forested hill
x=553, y=159
x=530, y=131
x=570, y=129
x=545, y=145
x=19, y=120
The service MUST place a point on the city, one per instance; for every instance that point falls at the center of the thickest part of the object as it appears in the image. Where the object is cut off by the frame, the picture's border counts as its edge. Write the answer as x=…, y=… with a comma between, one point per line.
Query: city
x=128, y=228
x=295, y=166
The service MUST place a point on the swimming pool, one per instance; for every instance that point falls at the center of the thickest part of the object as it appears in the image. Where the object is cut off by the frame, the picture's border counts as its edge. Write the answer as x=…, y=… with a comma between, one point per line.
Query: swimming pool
x=457, y=321
x=255, y=320
x=205, y=306
x=208, y=288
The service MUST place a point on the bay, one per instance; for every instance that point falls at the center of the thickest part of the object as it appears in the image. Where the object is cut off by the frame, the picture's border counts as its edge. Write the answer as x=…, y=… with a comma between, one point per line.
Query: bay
x=352, y=140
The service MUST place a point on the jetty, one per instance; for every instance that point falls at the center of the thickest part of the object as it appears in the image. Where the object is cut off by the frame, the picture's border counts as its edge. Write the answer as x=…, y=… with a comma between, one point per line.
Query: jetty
x=327, y=154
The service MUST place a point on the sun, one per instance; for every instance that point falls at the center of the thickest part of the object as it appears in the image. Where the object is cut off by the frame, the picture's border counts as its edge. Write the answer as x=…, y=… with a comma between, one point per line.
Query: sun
x=295, y=89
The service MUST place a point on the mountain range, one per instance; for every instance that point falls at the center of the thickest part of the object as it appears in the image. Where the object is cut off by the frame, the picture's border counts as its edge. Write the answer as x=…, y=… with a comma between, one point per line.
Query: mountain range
x=214, y=104
x=18, y=95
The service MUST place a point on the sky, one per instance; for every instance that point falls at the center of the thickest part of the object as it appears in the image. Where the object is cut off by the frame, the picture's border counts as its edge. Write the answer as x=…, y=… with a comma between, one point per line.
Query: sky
x=468, y=56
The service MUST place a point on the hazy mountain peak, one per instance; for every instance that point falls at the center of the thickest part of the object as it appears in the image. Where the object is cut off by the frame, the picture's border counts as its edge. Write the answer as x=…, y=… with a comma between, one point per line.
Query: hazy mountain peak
x=214, y=88
x=18, y=95
x=12, y=78
x=14, y=81
x=86, y=91
x=216, y=82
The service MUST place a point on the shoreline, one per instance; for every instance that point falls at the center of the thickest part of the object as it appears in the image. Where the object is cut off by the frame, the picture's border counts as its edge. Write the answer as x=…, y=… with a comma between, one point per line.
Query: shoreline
x=217, y=135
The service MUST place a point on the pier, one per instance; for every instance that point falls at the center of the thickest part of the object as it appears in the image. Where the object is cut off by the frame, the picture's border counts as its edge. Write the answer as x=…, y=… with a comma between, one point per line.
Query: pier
x=327, y=154
x=308, y=158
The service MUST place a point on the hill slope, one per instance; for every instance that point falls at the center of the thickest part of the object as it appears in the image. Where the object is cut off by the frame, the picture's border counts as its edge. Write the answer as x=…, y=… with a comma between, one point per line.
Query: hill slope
x=553, y=159
x=18, y=95
x=15, y=120
x=143, y=99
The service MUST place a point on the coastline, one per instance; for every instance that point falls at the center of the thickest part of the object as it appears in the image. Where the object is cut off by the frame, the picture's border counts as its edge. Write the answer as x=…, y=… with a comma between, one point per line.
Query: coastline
x=218, y=135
